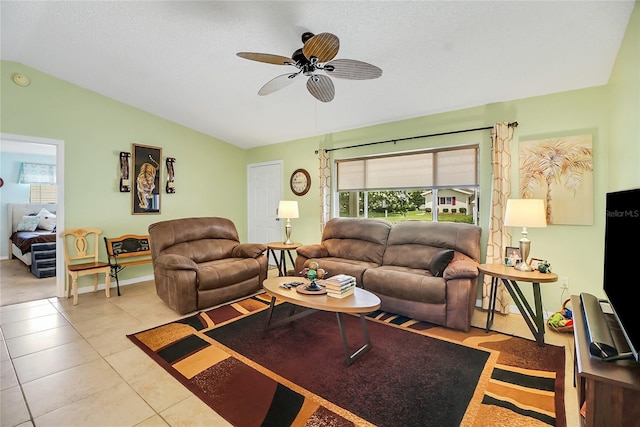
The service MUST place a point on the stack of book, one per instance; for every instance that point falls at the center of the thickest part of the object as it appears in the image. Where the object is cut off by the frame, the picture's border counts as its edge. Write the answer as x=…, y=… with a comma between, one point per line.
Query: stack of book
x=340, y=286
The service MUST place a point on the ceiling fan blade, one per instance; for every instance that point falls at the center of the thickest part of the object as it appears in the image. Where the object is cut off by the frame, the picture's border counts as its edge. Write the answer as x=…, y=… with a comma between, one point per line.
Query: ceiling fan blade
x=277, y=83
x=266, y=57
x=323, y=46
x=352, y=69
x=321, y=87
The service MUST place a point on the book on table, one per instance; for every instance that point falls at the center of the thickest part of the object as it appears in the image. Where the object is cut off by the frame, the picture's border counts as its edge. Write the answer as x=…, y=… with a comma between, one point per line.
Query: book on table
x=339, y=281
x=341, y=294
x=342, y=278
x=335, y=285
x=340, y=289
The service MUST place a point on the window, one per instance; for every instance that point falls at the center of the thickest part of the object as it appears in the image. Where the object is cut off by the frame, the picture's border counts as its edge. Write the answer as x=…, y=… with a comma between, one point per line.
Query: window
x=434, y=185
x=447, y=200
x=43, y=193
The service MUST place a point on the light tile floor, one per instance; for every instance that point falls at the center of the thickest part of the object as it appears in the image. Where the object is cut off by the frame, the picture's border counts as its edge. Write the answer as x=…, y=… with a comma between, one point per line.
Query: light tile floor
x=65, y=365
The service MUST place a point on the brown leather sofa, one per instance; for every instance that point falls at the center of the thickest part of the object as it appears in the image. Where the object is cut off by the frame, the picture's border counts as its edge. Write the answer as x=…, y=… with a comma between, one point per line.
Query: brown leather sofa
x=200, y=262
x=423, y=270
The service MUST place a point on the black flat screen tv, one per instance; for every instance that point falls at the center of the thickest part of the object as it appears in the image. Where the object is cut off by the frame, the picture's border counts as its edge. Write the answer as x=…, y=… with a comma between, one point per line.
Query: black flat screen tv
x=621, y=279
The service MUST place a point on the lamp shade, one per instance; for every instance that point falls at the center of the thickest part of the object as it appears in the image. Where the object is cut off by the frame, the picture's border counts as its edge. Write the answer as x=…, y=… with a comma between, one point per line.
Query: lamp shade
x=525, y=213
x=288, y=209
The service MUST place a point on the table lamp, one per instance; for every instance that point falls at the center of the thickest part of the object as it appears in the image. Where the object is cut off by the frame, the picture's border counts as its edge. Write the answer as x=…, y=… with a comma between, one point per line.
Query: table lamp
x=525, y=213
x=288, y=209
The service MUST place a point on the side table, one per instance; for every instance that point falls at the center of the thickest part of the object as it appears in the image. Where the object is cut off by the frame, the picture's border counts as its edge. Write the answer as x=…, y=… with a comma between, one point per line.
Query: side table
x=510, y=277
x=282, y=262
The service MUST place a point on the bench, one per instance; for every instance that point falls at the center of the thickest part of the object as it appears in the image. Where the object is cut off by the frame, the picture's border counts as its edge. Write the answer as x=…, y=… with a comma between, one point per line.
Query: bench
x=125, y=251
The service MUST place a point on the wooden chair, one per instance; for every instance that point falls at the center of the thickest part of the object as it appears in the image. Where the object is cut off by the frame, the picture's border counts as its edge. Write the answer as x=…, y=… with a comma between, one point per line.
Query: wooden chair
x=81, y=259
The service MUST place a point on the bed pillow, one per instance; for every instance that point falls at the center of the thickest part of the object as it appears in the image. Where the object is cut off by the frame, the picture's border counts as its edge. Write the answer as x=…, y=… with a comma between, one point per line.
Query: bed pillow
x=28, y=223
x=47, y=220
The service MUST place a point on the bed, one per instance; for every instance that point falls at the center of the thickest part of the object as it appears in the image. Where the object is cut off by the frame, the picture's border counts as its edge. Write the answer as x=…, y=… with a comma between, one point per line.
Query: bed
x=22, y=235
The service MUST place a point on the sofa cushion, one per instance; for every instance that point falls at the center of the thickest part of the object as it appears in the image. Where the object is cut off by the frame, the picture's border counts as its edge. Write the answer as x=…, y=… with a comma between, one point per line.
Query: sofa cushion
x=349, y=267
x=406, y=284
x=225, y=272
x=249, y=250
x=414, y=243
x=440, y=261
x=360, y=239
x=176, y=231
x=203, y=250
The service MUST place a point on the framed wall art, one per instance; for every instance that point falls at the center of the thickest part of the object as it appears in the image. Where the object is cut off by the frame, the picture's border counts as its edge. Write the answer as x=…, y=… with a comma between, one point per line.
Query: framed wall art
x=124, y=172
x=171, y=175
x=560, y=171
x=147, y=162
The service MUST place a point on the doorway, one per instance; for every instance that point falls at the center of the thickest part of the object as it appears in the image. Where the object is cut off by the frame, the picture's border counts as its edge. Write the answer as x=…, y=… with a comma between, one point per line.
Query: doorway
x=59, y=154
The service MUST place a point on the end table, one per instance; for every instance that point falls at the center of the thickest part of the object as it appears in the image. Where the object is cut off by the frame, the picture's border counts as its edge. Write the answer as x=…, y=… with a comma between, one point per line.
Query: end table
x=282, y=262
x=510, y=276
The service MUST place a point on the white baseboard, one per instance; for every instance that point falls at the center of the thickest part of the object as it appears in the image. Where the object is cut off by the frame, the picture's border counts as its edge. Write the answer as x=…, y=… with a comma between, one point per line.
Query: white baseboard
x=514, y=309
x=101, y=286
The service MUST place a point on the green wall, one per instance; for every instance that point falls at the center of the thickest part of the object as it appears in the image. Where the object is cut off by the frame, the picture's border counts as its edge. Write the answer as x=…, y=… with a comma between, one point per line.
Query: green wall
x=624, y=82
x=209, y=173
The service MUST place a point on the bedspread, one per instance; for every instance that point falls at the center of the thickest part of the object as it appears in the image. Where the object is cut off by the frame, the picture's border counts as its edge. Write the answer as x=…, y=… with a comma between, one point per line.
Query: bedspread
x=24, y=239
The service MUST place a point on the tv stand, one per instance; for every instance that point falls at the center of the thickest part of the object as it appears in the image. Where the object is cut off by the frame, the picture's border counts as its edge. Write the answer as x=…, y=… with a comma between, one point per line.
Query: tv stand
x=608, y=391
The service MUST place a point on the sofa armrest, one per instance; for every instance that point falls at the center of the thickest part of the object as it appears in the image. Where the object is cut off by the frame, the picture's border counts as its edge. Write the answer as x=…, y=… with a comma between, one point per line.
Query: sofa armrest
x=249, y=250
x=462, y=269
x=313, y=251
x=175, y=262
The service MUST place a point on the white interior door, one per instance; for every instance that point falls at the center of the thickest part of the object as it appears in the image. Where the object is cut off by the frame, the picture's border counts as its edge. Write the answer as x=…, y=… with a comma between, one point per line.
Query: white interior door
x=264, y=182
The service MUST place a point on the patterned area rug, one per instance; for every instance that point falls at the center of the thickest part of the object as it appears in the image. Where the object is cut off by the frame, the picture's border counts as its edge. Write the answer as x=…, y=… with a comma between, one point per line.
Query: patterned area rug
x=416, y=374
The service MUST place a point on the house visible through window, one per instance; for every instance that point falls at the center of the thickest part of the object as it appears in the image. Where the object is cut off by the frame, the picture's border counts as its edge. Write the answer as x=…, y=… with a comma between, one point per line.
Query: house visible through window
x=433, y=185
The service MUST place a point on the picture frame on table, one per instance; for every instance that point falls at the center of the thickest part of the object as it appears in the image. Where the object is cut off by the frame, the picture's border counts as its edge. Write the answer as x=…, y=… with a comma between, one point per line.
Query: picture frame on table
x=535, y=262
x=511, y=256
x=147, y=168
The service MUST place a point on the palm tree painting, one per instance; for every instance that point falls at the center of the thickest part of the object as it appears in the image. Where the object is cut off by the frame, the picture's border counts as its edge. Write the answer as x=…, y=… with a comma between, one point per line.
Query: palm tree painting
x=559, y=171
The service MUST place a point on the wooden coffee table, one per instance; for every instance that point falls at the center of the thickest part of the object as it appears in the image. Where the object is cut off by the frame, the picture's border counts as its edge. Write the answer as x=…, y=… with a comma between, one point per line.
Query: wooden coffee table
x=361, y=302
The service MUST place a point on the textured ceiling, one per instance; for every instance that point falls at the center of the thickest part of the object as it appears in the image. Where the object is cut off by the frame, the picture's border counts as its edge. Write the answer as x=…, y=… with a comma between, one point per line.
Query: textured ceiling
x=178, y=60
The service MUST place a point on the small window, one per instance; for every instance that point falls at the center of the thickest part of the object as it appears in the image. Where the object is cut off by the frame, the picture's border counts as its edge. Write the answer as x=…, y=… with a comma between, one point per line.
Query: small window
x=43, y=193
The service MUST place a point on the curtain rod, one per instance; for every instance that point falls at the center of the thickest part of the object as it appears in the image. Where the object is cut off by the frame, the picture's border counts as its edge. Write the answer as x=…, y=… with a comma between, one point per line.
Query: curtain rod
x=511, y=125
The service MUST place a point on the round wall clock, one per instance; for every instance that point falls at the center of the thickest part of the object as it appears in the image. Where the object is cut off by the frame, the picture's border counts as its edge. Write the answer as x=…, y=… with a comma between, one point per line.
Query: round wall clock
x=300, y=182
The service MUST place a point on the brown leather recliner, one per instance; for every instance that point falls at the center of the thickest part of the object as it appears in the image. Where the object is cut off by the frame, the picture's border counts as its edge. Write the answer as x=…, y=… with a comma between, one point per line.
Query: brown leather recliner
x=200, y=262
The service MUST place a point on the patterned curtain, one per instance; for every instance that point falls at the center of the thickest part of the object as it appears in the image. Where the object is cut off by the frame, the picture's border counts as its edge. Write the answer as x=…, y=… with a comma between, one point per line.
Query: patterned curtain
x=499, y=235
x=324, y=173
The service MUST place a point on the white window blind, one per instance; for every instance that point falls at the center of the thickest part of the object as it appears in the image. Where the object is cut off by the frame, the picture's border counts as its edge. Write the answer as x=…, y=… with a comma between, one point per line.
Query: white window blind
x=439, y=168
x=44, y=193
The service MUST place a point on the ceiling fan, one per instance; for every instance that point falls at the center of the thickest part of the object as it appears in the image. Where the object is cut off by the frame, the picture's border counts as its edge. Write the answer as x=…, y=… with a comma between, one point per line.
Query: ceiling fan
x=316, y=54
